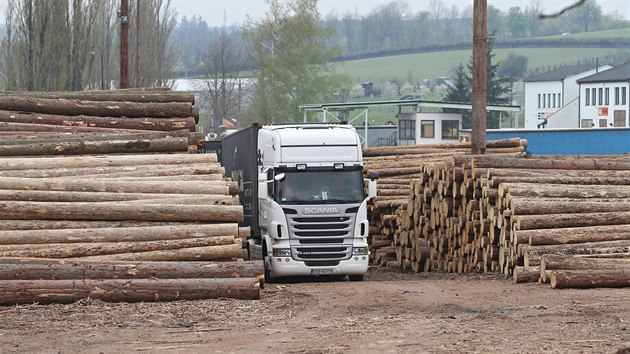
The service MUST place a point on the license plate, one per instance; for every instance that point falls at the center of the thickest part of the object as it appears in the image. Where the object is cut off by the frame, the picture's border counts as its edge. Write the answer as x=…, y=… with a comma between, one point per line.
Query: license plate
x=325, y=271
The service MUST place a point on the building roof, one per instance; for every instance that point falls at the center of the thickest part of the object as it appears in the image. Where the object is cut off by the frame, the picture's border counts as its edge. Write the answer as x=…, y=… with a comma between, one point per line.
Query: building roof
x=616, y=74
x=560, y=73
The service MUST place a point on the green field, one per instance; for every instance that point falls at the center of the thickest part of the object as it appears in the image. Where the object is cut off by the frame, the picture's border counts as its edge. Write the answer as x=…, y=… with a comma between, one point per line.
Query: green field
x=420, y=66
x=608, y=34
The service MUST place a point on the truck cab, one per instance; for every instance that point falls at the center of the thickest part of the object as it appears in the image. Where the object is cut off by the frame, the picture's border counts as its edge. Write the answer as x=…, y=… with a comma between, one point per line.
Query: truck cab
x=310, y=212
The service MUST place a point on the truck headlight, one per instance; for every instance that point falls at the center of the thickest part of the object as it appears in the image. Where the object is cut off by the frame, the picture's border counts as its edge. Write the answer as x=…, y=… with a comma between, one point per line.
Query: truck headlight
x=359, y=251
x=282, y=252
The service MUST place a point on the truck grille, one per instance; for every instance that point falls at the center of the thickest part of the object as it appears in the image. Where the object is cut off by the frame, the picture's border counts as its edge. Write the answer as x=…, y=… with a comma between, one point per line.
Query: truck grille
x=321, y=240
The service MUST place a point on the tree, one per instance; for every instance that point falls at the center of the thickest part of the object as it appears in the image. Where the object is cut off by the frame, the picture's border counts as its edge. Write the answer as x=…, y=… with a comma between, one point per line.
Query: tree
x=586, y=16
x=516, y=22
x=497, y=93
x=221, y=69
x=513, y=67
x=460, y=92
x=291, y=56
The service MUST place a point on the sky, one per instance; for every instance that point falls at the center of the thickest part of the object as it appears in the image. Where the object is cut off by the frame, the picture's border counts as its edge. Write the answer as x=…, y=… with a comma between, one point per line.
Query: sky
x=235, y=11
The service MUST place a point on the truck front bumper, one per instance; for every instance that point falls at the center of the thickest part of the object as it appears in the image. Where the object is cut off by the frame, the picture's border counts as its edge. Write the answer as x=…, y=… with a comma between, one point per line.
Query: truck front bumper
x=286, y=267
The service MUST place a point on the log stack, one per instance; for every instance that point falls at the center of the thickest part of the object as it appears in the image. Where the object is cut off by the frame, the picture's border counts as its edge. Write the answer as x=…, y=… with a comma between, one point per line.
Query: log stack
x=426, y=218
x=134, y=218
x=503, y=213
x=98, y=122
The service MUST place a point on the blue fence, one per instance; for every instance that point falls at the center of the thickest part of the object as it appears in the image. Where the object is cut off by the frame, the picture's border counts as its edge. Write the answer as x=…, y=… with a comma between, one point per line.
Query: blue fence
x=570, y=141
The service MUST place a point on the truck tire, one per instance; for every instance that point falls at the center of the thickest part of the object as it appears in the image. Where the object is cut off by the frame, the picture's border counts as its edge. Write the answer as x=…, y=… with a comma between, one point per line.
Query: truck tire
x=356, y=277
x=266, y=266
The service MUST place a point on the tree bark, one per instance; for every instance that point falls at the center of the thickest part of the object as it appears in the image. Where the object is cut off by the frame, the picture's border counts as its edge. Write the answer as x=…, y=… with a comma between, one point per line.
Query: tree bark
x=586, y=279
x=73, y=250
x=114, y=186
x=116, y=234
x=104, y=160
x=211, y=253
x=96, y=108
x=110, y=95
x=138, y=123
x=526, y=274
x=556, y=221
x=551, y=262
x=148, y=198
x=494, y=161
x=63, y=269
x=573, y=235
x=97, y=147
x=540, y=206
x=560, y=180
x=35, y=224
x=540, y=190
x=132, y=290
x=119, y=171
x=117, y=212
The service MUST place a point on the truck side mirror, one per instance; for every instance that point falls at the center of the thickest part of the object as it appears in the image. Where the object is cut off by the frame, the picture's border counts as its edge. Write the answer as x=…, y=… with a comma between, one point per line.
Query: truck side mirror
x=372, y=184
x=262, y=186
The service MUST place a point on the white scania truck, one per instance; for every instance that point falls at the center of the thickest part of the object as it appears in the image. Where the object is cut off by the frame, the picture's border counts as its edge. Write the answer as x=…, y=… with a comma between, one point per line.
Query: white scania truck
x=302, y=191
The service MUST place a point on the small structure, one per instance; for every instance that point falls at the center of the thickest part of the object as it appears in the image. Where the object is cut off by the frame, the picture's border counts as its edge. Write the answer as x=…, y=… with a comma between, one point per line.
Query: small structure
x=604, y=100
x=428, y=128
x=555, y=93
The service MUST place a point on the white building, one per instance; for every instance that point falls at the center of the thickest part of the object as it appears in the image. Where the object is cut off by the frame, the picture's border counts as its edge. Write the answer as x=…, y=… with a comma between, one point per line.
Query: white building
x=604, y=98
x=428, y=128
x=551, y=98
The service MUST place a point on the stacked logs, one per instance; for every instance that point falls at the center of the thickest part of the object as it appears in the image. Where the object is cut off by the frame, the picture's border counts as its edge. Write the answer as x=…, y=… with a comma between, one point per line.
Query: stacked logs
x=570, y=205
x=146, y=120
x=407, y=220
x=510, y=214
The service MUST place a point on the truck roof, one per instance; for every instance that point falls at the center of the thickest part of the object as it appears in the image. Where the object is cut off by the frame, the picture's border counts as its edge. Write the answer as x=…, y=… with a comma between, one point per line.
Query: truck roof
x=315, y=134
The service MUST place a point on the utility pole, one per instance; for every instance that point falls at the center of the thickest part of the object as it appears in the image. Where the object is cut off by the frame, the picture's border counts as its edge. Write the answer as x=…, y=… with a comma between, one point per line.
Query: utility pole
x=137, y=43
x=124, y=43
x=480, y=77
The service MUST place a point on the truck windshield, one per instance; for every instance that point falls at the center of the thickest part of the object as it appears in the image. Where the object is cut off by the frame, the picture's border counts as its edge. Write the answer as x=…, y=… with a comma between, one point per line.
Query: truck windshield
x=320, y=187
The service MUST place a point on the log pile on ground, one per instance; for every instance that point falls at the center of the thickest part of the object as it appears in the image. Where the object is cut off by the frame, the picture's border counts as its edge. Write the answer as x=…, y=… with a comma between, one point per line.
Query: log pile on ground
x=98, y=122
x=86, y=219
x=136, y=202
x=506, y=214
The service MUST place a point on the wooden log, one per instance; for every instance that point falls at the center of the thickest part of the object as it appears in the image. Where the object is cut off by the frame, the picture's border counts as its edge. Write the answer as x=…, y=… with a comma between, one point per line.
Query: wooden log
x=551, y=221
x=117, y=211
x=130, y=290
x=98, y=147
x=35, y=224
x=573, y=235
x=73, y=250
x=96, y=108
x=526, y=274
x=586, y=279
x=113, y=186
x=163, y=124
x=551, y=262
x=532, y=254
x=110, y=95
x=562, y=191
x=116, y=234
x=495, y=161
x=210, y=253
x=104, y=160
x=63, y=269
x=510, y=172
x=561, y=180
x=151, y=198
x=118, y=171
x=538, y=206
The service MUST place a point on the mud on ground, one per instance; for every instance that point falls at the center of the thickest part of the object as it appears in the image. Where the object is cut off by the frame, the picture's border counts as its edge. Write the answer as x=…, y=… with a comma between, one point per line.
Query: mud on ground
x=390, y=312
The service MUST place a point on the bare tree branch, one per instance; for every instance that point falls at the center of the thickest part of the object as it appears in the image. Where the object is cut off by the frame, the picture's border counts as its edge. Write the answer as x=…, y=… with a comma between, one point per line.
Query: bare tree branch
x=553, y=15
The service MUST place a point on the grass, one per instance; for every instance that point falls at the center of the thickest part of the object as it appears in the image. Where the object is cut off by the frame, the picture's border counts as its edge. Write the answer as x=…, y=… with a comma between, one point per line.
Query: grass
x=608, y=34
x=414, y=67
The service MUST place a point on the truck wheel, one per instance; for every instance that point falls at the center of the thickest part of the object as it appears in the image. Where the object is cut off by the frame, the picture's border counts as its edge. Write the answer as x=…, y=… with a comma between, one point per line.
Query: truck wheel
x=355, y=277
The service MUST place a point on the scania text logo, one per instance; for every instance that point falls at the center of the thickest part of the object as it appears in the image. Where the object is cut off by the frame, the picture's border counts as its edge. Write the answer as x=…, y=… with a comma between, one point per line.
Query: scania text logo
x=331, y=210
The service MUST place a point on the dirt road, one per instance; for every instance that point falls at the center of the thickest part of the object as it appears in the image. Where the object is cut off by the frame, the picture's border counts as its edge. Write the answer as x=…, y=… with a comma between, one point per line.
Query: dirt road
x=390, y=312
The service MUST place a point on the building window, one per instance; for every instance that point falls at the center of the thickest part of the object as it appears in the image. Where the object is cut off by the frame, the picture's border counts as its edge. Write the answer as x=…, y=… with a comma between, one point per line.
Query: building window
x=594, y=96
x=588, y=97
x=616, y=95
x=623, y=95
x=587, y=123
x=600, y=91
x=559, y=100
x=554, y=100
x=407, y=129
x=450, y=129
x=538, y=100
x=544, y=101
x=548, y=100
x=607, y=96
x=427, y=129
